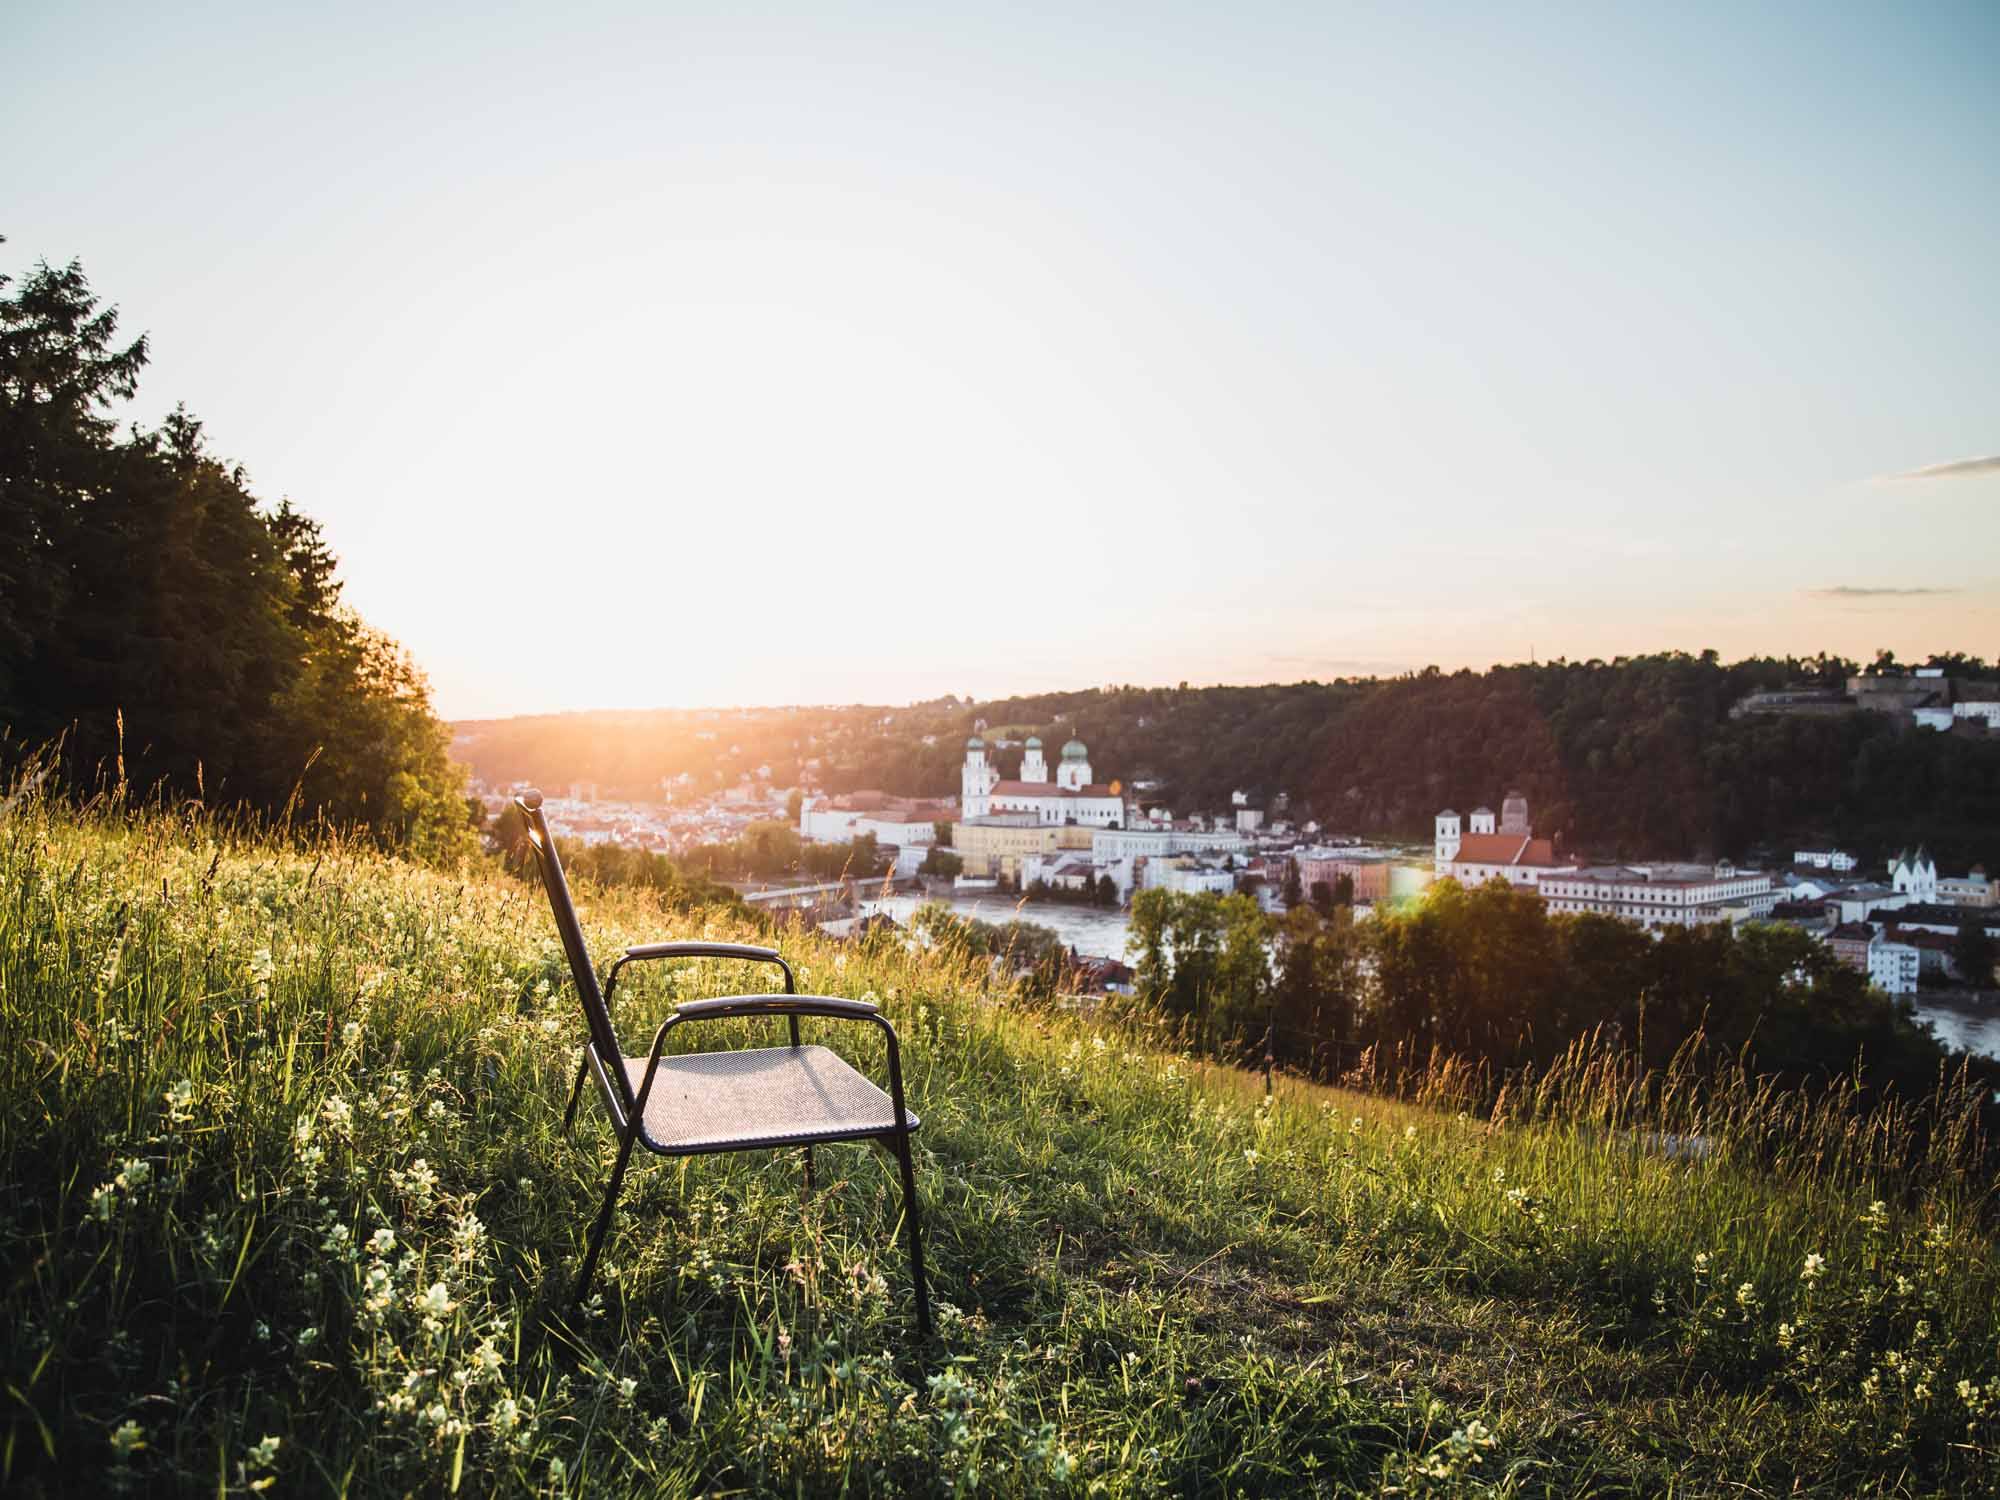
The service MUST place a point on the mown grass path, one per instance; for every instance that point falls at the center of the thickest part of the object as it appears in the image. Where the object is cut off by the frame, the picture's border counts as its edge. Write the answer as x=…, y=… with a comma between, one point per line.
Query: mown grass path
x=285, y=1204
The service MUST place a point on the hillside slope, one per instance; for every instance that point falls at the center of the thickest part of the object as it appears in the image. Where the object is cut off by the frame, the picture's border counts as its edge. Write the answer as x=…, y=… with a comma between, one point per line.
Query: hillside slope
x=283, y=1196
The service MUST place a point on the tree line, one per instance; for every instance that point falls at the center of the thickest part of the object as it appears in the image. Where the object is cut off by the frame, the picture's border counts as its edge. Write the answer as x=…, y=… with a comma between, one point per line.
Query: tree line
x=165, y=629
x=1492, y=976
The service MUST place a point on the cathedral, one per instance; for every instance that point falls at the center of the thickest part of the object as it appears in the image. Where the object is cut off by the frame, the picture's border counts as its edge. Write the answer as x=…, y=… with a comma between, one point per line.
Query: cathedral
x=1071, y=798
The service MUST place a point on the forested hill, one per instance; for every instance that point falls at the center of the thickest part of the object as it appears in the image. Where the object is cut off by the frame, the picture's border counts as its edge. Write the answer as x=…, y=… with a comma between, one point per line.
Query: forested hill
x=1634, y=757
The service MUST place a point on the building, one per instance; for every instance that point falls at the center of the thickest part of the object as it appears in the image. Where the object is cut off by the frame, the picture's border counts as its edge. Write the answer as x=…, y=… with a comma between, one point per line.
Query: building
x=1914, y=875
x=836, y=820
x=1936, y=953
x=905, y=827
x=1970, y=889
x=1184, y=874
x=1661, y=895
x=1855, y=903
x=1064, y=870
x=1850, y=942
x=1072, y=797
x=1109, y=844
x=994, y=846
x=1893, y=967
x=1484, y=848
x=1837, y=860
x=1935, y=917
x=1809, y=915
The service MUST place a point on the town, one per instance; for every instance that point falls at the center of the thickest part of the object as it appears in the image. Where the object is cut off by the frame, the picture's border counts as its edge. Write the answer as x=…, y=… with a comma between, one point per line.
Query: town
x=1052, y=836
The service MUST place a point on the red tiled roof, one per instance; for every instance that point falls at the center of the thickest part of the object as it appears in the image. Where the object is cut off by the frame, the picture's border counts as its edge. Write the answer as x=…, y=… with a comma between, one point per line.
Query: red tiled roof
x=1047, y=789
x=1505, y=849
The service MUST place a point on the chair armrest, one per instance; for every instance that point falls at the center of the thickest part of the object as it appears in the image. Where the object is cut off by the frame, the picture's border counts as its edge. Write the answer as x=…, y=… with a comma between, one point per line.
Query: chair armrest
x=746, y=951
x=704, y=950
x=831, y=1006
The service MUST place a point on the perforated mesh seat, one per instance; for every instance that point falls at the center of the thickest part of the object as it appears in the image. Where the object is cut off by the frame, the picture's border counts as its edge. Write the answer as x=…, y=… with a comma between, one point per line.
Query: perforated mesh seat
x=763, y=1096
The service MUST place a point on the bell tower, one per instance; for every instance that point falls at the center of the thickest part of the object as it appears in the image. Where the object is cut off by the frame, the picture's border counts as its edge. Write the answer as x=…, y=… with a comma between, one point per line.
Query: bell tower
x=1033, y=767
x=976, y=781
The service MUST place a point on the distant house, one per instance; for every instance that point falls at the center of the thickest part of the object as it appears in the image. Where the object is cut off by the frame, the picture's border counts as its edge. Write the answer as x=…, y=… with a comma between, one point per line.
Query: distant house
x=1893, y=967
x=1850, y=942
x=1971, y=889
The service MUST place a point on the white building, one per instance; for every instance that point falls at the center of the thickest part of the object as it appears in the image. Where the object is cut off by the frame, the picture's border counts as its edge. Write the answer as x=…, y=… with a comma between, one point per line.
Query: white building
x=1856, y=903
x=1989, y=713
x=1656, y=897
x=1184, y=875
x=822, y=821
x=1072, y=798
x=1970, y=889
x=1892, y=966
x=1838, y=860
x=1914, y=875
x=977, y=779
x=1108, y=844
x=904, y=828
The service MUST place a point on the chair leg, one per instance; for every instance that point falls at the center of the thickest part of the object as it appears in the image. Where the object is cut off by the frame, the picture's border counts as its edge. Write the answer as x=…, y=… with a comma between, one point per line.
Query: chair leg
x=575, y=1093
x=809, y=1173
x=603, y=1225
x=916, y=1232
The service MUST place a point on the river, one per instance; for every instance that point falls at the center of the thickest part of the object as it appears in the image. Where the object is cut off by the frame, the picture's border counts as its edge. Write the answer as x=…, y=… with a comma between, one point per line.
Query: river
x=1101, y=934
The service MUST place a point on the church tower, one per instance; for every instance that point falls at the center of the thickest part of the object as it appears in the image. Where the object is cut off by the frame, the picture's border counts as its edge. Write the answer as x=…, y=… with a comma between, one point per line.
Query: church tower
x=1916, y=878
x=1073, y=774
x=976, y=781
x=1482, y=820
x=1447, y=838
x=1514, y=814
x=1033, y=767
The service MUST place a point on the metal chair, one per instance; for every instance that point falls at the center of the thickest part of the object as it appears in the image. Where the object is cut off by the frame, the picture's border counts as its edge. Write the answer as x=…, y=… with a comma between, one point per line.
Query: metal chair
x=705, y=1102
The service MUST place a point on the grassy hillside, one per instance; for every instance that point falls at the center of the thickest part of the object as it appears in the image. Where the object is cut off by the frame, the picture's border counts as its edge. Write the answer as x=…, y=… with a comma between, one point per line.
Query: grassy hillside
x=284, y=1204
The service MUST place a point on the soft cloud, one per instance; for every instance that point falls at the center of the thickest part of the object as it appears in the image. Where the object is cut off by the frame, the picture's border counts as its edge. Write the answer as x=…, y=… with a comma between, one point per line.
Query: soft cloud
x=1849, y=591
x=1963, y=468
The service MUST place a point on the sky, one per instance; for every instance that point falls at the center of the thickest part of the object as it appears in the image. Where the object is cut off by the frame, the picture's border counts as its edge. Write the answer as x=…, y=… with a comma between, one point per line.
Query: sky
x=696, y=355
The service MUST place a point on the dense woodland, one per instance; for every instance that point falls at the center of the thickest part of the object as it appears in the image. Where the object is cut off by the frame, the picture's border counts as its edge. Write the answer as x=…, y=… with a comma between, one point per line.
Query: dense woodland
x=1629, y=758
x=168, y=630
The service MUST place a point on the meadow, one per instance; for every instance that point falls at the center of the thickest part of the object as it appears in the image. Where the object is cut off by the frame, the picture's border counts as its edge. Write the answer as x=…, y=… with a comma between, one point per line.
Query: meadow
x=286, y=1207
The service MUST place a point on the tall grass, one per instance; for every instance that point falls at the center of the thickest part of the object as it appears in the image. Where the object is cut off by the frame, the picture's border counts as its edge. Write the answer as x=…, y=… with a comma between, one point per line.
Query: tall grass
x=285, y=1203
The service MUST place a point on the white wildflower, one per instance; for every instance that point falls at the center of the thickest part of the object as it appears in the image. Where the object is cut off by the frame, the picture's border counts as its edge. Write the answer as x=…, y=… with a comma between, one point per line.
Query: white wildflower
x=264, y=1453
x=127, y=1438
x=1814, y=1266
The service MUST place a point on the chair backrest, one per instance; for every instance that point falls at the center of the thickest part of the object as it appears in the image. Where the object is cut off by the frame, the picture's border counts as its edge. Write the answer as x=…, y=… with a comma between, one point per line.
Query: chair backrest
x=603, y=1039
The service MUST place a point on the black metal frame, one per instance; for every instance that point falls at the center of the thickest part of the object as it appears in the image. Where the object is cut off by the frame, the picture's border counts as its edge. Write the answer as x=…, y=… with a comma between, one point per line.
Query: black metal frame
x=627, y=1109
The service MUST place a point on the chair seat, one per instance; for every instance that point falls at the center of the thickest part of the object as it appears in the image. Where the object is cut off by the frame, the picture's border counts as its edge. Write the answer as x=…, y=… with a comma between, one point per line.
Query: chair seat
x=764, y=1096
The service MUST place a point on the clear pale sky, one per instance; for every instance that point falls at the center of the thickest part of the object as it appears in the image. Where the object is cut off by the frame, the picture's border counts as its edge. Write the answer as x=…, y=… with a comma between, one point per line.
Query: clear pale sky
x=684, y=355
